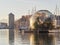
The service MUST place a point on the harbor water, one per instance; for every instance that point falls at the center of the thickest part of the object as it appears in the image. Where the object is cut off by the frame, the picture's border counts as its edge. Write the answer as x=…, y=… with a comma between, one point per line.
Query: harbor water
x=14, y=37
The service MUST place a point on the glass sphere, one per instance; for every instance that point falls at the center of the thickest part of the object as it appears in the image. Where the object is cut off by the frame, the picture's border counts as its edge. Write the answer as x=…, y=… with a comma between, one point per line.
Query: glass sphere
x=42, y=15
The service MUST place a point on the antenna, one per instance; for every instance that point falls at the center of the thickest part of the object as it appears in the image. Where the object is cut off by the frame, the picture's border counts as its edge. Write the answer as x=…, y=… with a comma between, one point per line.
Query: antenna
x=28, y=12
x=32, y=11
x=56, y=10
x=35, y=8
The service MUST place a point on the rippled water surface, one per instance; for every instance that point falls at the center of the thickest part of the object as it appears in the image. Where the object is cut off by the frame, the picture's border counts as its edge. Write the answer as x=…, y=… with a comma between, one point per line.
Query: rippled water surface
x=14, y=37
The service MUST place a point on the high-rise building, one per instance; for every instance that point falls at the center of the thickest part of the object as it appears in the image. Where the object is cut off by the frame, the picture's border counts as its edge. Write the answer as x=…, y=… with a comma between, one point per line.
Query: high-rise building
x=11, y=20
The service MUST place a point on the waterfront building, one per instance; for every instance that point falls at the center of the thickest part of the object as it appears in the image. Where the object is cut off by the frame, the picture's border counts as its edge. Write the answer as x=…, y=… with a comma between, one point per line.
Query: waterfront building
x=11, y=20
x=23, y=22
x=57, y=21
x=3, y=25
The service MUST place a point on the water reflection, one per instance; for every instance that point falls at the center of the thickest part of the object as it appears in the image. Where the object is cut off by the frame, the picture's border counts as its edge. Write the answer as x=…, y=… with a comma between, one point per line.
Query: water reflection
x=11, y=36
x=42, y=39
x=22, y=39
x=4, y=37
x=14, y=37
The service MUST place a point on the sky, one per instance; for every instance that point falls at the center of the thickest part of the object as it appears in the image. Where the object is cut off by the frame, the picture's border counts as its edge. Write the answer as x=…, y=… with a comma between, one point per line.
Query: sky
x=21, y=7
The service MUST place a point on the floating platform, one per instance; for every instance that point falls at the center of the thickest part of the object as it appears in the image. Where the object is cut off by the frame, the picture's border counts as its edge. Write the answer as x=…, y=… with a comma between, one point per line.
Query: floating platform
x=41, y=31
x=54, y=31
